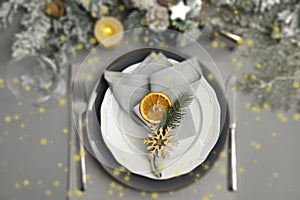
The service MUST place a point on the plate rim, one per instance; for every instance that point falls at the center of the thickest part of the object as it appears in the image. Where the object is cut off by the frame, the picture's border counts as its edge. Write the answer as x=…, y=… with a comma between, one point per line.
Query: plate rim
x=214, y=154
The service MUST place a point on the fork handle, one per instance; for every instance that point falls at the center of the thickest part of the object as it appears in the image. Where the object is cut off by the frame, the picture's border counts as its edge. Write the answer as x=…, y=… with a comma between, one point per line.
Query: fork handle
x=232, y=160
x=82, y=155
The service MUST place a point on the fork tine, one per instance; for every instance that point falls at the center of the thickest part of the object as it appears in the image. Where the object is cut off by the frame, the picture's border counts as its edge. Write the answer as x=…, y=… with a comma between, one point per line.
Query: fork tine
x=79, y=91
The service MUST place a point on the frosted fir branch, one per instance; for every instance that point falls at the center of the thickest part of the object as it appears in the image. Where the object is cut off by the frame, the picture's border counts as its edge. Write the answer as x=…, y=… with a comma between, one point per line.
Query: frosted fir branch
x=36, y=30
x=91, y=6
x=7, y=12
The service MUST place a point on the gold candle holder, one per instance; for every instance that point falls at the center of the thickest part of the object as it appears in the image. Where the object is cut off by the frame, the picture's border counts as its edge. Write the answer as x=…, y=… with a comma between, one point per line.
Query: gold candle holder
x=108, y=31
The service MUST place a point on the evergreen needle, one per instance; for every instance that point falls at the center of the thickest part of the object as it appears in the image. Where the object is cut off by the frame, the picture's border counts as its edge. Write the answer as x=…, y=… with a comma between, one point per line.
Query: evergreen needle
x=175, y=113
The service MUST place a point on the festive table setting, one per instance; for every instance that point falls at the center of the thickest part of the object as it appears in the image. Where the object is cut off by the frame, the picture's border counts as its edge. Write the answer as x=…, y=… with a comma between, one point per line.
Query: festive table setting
x=151, y=99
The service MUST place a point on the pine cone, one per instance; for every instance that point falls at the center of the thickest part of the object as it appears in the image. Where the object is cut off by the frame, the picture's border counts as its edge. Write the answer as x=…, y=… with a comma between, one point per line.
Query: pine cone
x=168, y=3
x=55, y=8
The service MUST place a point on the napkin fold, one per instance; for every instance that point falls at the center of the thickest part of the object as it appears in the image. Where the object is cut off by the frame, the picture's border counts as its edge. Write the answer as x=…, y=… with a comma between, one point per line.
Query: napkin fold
x=156, y=74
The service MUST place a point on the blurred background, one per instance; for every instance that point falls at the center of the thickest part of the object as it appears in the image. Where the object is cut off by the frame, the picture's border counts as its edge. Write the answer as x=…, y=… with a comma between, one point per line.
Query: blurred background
x=42, y=42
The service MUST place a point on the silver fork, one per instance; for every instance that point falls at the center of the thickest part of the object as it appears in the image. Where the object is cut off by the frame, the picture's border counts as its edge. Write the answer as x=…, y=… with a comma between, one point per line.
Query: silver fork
x=80, y=106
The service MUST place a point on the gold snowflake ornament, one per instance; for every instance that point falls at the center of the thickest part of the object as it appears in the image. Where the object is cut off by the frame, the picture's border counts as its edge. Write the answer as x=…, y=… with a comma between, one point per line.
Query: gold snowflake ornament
x=160, y=142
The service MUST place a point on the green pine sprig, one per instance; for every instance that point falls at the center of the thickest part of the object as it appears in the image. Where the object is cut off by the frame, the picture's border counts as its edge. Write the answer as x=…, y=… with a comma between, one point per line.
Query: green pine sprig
x=175, y=113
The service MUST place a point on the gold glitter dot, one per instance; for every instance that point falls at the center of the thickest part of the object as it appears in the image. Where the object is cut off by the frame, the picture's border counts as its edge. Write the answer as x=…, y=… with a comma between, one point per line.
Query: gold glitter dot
x=69, y=193
x=143, y=194
x=268, y=88
x=257, y=146
x=275, y=174
x=255, y=109
x=56, y=183
x=146, y=39
x=89, y=77
x=79, y=46
x=110, y=192
x=59, y=164
x=234, y=60
x=48, y=193
x=222, y=154
x=276, y=28
x=104, y=9
x=62, y=37
x=253, y=77
x=266, y=106
x=76, y=157
x=218, y=187
x=282, y=117
x=154, y=195
x=43, y=141
x=176, y=173
x=7, y=119
x=42, y=110
x=127, y=178
x=15, y=80
x=119, y=187
x=62, y=102
x=247, y=105
x=250, y=42
x=258, y=66
x=78, y=193
x=205, y=198
x=16, y=117
x=205, y=166
x=121, y=194
x=211, y=76
x=274, y=134
x=82, y=153
x=296, y=85
x=239, y=64
x=242, y=169
x=94, y=14
x=26, y=182
x=116, y=172
x=27, y=88
x=17, y=185
x=65, y=131
x=277, y=35
x=112, y=184
x=39, y=182
x=20, y=103
x=93, y=40
x=121, y=7
x=233, y=88
x=296, y=116
x=215, y=44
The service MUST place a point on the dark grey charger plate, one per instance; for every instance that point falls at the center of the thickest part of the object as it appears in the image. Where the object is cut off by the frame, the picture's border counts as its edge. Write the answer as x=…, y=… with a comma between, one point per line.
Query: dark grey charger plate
x=106, y=159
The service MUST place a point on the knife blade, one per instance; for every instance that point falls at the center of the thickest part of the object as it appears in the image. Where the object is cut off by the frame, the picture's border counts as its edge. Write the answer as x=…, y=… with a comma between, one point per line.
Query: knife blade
x=232, y=154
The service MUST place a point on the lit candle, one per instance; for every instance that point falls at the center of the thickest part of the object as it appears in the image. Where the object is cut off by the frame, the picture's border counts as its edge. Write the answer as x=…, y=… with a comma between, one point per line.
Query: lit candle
x=108, y=27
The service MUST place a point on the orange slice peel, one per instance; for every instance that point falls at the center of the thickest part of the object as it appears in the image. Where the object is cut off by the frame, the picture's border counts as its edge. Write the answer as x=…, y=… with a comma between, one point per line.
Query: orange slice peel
x=153, y=106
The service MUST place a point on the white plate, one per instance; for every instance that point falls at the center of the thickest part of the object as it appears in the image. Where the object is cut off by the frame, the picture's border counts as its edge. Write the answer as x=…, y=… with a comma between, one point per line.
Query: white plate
x=127, y=149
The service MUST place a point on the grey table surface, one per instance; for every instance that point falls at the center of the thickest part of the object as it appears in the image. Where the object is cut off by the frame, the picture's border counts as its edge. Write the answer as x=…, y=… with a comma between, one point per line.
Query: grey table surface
x=35, y=144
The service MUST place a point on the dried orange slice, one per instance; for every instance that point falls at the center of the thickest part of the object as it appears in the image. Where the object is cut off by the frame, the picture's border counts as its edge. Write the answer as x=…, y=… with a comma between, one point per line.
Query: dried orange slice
x=153, y=106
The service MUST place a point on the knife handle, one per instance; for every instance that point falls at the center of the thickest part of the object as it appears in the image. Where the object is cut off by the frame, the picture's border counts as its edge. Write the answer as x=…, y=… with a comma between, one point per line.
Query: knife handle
x=232, y=160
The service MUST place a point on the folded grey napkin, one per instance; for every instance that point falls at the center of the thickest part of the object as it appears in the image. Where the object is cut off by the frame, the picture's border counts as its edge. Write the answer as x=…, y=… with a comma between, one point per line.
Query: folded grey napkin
x=156, y=74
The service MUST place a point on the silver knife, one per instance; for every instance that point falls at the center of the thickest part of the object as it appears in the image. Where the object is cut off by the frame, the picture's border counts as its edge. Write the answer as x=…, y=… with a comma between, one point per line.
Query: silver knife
x=232, y=154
